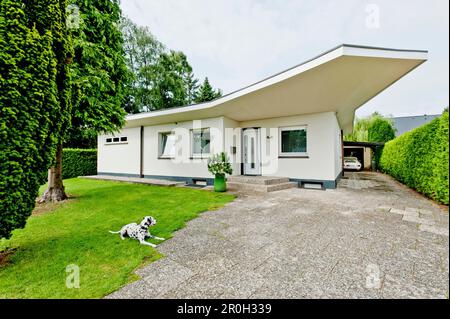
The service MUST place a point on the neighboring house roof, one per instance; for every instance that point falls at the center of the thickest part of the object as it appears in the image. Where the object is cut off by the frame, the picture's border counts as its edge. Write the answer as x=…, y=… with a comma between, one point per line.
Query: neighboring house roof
x=408, y=123
x=339, y=80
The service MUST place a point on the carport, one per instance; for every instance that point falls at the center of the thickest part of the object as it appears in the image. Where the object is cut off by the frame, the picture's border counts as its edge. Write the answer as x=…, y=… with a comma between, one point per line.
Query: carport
x=363, y=151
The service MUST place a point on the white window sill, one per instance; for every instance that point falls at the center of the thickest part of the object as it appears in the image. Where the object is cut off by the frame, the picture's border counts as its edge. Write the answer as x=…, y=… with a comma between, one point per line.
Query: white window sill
x=116, y=143
x=293, y=155
x=203, y=156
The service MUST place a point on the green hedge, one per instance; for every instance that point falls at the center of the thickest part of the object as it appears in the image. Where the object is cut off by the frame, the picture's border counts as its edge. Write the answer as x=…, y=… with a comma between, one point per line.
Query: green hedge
x=420, y=159
x=79, y=162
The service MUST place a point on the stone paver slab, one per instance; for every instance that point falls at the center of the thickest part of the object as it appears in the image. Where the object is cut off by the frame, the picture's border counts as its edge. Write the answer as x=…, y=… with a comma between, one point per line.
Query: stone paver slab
x=412, y=215
x=426, y=212
x=397, y=211
x=433, y=229
x=418, y=220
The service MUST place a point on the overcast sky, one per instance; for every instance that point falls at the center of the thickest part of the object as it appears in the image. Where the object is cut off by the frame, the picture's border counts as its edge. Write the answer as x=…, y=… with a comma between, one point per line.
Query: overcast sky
x=238, y=42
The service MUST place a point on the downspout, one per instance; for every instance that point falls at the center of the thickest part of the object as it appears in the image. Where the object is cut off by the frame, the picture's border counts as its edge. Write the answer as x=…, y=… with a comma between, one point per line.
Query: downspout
x=141, y=155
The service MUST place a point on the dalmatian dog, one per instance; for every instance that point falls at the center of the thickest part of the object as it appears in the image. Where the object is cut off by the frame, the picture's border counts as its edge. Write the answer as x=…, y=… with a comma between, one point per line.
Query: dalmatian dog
x=139, y=232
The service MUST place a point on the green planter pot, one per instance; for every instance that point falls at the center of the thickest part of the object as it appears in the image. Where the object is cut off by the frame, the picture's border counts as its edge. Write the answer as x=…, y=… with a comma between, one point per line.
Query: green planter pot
x=220, y=184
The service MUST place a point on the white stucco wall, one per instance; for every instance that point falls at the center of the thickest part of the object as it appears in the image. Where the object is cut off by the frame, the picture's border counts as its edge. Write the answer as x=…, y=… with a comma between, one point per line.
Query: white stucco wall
x=323, y=148
x=337, y=149
x=367, y=158
x=232, y=140
x=123, y=158
x=183, y=165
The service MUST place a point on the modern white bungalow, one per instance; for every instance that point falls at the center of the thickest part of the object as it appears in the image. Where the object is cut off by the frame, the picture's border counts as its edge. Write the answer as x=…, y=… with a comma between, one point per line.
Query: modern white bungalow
x=288, y=125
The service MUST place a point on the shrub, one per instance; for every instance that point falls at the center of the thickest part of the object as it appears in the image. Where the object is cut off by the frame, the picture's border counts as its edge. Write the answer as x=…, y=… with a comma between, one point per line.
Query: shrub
x=75, y=162
x=219, y=164
x=79, y=162
x=31, y=110
x=420, y=159
x=380, y=130
x=375, y=128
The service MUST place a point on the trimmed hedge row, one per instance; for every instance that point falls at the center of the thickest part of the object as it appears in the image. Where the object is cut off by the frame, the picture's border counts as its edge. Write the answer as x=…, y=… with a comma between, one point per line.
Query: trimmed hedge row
x=79, y=162
x=420, y=159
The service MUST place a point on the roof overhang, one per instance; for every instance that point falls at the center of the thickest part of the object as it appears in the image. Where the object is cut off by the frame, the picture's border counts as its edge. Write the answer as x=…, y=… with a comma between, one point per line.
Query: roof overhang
x=340, y=80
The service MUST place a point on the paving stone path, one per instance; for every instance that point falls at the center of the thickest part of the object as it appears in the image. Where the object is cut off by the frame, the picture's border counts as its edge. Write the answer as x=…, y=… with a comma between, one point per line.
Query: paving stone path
x=370, y=238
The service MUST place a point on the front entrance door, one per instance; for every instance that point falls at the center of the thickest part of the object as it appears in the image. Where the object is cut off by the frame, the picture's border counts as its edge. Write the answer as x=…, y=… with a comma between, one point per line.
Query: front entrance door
x=251, y=150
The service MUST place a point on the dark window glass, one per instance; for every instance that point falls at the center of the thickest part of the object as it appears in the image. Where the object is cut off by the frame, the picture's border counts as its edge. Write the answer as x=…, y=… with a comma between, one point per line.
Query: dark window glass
x=123, y=139
x=293, y=141
x=116, y=139
x=108, y=140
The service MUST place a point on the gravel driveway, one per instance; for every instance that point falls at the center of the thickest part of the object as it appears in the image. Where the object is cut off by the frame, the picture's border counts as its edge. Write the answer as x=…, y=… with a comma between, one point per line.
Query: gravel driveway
x=370, y=238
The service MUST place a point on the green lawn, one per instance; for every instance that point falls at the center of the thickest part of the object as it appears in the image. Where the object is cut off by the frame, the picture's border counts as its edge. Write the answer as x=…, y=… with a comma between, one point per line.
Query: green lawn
x=76, y=232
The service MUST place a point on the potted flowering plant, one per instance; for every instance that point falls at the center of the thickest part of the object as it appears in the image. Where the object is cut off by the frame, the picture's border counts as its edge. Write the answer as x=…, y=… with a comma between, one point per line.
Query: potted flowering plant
x=219, y=165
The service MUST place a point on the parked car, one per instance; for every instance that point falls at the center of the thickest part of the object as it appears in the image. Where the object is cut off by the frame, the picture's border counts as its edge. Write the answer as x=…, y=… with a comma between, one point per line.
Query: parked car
x=352, y=163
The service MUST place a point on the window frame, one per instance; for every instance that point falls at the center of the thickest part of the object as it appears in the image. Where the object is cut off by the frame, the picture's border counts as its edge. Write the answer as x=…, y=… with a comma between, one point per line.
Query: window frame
x=199, y=155
x=111, y=140
x=282, y=154
x=160, y=150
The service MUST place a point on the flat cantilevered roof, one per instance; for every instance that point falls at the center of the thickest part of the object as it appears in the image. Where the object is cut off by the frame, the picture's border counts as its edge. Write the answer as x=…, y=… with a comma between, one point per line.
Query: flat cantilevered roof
x=340, y=80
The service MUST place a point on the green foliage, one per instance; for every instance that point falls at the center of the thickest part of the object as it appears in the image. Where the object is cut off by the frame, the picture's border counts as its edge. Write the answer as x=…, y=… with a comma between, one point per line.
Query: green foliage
x=161, y=78
x=207, y=93
x=79, y=162
x=142, y=51
x=76, y=162
x=420, y=159
x=191, y=87
x=169, y=88
x=375, y=128
x=360, y=131
x=79, y=138
x=99, y=72
x=219, y=164
x=50, y=16
x=34, y=101
x=380, y=130
x=76, y=232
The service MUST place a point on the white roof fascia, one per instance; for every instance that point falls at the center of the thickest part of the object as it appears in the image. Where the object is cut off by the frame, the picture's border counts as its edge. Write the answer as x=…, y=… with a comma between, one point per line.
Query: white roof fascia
x=342, y=50
x=254, y=87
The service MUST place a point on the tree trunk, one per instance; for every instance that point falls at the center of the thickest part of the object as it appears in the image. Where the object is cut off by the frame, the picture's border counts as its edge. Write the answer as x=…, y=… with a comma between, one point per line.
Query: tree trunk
x=55, y=190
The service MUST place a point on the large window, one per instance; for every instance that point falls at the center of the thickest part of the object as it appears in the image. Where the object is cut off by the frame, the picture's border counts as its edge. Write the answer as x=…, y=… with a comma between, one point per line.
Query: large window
x=167, y=145
x=201, y=142
x=293, y=141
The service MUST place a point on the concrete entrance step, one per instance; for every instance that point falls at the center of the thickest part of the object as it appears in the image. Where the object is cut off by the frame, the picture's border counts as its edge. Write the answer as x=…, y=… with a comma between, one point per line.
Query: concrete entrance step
x=258, y=180
x=255, y=188
x=258, y=184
